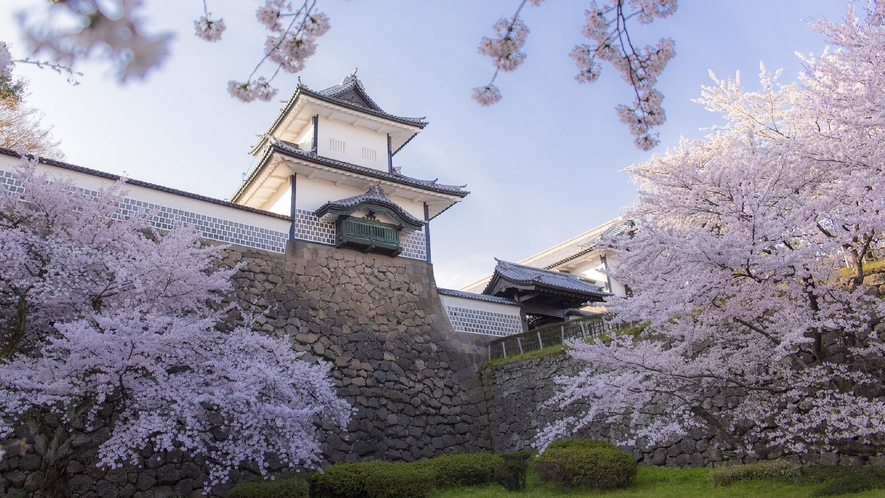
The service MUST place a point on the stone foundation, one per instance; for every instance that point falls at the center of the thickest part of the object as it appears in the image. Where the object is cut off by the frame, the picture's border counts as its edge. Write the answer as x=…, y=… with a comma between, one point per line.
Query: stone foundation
x=517, y=391
x=412, y=380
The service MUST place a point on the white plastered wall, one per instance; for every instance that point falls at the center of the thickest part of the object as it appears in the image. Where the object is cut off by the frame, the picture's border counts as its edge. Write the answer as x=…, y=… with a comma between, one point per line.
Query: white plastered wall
x=305, y=141
x=312, y=193
x=281, y=202
x=87, y=181
x=592, y=267
x=474, y=304
x=355, y=139
x=416, y=209
x=480, y=317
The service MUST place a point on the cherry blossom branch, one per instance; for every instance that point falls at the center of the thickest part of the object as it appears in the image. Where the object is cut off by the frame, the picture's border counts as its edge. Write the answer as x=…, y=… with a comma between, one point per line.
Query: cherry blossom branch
x=611, y=43
x=288, y=50
x=505, y=51
x=63, y=69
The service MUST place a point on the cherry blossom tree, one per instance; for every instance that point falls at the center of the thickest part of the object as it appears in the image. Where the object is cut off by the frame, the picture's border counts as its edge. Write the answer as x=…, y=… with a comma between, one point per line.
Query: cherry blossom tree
x=20, y=124
x=735, y=268
x=110, y=324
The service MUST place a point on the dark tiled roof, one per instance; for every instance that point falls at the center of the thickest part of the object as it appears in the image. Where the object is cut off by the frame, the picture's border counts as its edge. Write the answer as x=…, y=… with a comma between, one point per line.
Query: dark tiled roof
x=351, y=93
x=477, y=297
x=351, y=85
x=373, y=196
x=331, y=94
x=526, y=275
x=375, y=173
x=139, y=183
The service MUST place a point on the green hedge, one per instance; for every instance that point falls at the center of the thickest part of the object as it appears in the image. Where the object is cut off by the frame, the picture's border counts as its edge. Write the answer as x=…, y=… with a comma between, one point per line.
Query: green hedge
x=343, y=480
x=590, y=444
x=724, y=476
x=374, y=479
x=287, y=487
x=400, y=480
x=585, y=465
x=511, y=472
x=464, y=469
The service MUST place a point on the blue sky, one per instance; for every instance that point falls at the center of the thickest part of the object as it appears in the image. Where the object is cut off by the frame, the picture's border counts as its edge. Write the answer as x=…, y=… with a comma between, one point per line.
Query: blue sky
x=542, y=165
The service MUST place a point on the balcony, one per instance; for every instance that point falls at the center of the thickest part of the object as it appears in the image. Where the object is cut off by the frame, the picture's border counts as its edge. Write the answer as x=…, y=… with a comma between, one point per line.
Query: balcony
x=367, y=236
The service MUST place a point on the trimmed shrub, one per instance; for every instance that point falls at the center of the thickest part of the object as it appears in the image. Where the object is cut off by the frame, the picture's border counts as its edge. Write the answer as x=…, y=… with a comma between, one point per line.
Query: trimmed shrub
x=578, y=466
x=464, y=469
x=344, y=480
x=843, y=480
x=765, y=469
x=400, y=480
x=845, y=485
x=590, y=444
x=512, y=470
x=286, y=487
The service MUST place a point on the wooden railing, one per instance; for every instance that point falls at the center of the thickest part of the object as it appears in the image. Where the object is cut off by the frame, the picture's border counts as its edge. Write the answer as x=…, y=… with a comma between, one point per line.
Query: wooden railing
x=368, y=234
x=553, y=334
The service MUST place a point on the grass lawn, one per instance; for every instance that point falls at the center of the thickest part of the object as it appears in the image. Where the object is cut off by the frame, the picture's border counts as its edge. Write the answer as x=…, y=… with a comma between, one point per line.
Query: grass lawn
x=655, y=482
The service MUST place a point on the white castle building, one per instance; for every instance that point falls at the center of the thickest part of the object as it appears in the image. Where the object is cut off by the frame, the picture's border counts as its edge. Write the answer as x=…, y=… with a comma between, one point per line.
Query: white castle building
x=325, y=174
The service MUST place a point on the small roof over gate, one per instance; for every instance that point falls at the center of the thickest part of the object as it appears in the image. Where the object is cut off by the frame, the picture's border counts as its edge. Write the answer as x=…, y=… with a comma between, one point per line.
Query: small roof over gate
x=541, y=289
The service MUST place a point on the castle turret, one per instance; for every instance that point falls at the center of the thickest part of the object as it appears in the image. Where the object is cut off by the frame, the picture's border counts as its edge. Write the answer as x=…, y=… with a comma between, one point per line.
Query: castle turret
x=327, y=162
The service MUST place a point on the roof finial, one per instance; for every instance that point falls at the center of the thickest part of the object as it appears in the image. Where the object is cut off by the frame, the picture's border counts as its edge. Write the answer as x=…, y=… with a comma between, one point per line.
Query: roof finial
x=354, y=71
x=299, y=80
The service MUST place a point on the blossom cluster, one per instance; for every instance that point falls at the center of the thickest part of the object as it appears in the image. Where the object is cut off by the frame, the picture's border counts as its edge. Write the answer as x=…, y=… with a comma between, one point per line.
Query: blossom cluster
x=639, y=67
x=606, y=27
x=72, y=30
x=487, y=95
x=505, y=50
x=735, y=269
x=287, y=47
x=257, y=89
x=209, y=30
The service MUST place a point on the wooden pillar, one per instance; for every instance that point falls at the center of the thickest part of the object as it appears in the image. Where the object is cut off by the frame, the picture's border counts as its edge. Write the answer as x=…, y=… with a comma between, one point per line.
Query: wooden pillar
x=292, y=207
x=426, y=230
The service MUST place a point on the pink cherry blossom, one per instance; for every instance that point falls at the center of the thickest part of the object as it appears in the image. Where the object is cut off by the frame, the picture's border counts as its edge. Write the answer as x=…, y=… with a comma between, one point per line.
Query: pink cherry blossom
x=209, y=30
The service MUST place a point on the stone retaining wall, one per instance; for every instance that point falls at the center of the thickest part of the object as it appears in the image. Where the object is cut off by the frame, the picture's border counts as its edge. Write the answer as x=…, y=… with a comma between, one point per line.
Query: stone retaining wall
x=379, y=321
x=412, y=380
x=517, y=392
x=416, y=384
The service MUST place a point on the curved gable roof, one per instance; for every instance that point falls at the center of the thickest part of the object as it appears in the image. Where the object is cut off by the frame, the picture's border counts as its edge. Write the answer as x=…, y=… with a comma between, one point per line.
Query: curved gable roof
x=529, y=277
x=373, y=198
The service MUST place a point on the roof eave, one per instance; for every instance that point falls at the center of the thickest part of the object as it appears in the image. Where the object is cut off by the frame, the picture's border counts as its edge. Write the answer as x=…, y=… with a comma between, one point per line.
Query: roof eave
x=362, y=170
x=268, y=153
